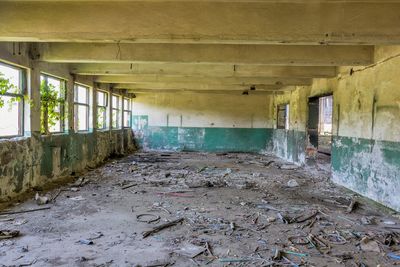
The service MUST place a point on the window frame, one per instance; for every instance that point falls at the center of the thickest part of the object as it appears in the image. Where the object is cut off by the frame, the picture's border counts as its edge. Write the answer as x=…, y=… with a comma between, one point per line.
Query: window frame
x=128, y=110
x=321, y=115
x=286, y=108
x=22, y=81
x=105, y=112
x=77, y=104
x=118, y=110
x=63, y=91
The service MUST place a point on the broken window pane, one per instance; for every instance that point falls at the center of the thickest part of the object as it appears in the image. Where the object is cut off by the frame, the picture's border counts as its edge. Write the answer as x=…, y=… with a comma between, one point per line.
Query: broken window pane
x=81, y=108
x=52, y=104
x=11, y=100
x=102, y=111
x=127, y=112
x=325, y=115
x=116, y=111
x=283, y=117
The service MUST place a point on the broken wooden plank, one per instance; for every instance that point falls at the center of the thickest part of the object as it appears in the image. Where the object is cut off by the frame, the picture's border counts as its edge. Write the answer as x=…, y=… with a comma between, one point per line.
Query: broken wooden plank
x=161, y=227
x=22, y=211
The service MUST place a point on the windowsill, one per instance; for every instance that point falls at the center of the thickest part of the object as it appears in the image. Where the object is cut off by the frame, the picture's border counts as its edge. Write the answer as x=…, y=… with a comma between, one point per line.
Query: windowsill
x=83, y=132
x=103, y=130
x=13, y=138
x=54, y=134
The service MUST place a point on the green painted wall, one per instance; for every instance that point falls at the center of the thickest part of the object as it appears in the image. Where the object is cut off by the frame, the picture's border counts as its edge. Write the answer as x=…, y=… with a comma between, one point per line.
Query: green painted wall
x=369, y=167
x=290, y=145
x=366, y=126
x=33, y=161
x=202, y=122
x=205, y=139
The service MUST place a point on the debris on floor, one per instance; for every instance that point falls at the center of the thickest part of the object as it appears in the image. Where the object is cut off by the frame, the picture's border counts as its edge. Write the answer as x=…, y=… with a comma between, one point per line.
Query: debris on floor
x=199, y=209
x=41, y=200
x=6, y=234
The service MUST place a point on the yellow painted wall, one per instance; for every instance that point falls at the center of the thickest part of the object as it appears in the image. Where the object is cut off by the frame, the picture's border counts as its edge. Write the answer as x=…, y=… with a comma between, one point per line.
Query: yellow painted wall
x=205, y=110
x=366, y=126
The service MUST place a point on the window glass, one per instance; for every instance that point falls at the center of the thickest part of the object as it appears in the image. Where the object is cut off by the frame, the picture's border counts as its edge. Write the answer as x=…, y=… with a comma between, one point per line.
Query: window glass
x=115, y=101
x=81, y=108
x=81, y=94
x=116, y=111
x=126, y=104
x=102, y=111
x=13, y=75
x=127, y=112
x=82, y=122
x=100, y=98
x=9, y=114
x=11, y=100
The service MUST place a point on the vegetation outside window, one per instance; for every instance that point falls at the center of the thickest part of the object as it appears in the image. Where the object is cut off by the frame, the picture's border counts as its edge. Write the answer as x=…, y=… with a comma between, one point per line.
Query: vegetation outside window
x=127, y=112
x=12, y=81
x=116, y=111
x=52, y=101
x=81, y=108
x=102, y=104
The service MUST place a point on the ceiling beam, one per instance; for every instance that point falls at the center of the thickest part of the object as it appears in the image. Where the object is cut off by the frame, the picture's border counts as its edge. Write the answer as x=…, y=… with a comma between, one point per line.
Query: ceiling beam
x=295, y=55
x=205, y=70
x=251, y=22
x=232, y=92
x=193, y=86
x=149, y=78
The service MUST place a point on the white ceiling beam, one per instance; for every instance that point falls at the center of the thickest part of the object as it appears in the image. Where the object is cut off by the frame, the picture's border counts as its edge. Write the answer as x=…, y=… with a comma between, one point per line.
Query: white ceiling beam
x=149, y=78
x=193, y=86
x=233, y=92
x=206, y=70
x=251, y=22
x=295, y=55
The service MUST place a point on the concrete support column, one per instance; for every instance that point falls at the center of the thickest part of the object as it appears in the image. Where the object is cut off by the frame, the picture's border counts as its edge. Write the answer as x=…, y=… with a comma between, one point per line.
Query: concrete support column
x=94, y=107
x=122, y=123
x=34, y=94
x=110, y=93
x=70, y=105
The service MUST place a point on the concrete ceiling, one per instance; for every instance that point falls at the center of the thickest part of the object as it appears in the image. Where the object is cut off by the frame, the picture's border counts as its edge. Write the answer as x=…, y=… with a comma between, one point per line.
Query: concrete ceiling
x=203, y=45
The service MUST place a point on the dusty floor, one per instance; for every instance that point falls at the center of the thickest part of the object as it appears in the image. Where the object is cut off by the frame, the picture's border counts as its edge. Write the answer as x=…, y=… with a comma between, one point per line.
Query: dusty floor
x=239, y=206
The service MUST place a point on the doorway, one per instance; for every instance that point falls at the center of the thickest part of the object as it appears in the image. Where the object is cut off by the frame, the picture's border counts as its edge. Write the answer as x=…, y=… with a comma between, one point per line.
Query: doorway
x=319, y=128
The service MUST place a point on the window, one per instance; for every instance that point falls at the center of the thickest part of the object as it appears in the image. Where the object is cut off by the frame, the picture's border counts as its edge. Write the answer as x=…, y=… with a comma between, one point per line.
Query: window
x=52, y=97
x=102, y=110
x=127, y=112
x=325, y=115
x=81, y=108
x=11, y=100
x=116, y=112
x=283, y=117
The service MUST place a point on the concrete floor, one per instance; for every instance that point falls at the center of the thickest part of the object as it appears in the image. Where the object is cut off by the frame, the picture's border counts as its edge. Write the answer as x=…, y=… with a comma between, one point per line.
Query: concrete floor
x=234, y=204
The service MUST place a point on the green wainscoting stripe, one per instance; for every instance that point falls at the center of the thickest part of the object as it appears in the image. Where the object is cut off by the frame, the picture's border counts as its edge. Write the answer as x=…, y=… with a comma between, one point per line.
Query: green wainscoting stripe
x=369, y=167
x=204, y=139
x=73, y=149
x=289, y=144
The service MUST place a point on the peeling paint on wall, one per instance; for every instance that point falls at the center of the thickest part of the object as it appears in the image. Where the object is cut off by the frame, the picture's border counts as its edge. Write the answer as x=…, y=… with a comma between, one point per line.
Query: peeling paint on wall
x=206, y=139
x=366, y=141
x=33, y=161
x=290, y=145
x=369, y=167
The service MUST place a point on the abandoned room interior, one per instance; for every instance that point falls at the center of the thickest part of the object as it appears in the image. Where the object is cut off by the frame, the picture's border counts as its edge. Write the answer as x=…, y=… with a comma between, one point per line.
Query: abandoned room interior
x=200, y=133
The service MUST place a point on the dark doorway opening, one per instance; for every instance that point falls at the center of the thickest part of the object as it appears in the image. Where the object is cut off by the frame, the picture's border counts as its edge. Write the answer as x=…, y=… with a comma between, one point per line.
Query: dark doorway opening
x=319, y=129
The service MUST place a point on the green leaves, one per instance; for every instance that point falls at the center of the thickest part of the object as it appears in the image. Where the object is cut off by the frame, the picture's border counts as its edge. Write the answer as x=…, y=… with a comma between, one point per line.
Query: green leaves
x=7, y=87
x=51, y=103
